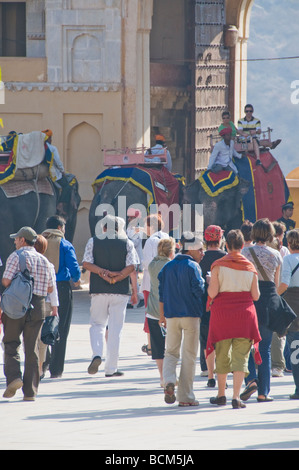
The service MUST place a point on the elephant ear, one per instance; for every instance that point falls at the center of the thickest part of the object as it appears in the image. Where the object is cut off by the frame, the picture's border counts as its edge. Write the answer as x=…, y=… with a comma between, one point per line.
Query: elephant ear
x=243, y=186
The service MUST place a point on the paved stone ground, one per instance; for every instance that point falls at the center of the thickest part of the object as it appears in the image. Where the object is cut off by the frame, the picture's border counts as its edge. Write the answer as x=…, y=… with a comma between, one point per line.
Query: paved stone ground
x=79, y=411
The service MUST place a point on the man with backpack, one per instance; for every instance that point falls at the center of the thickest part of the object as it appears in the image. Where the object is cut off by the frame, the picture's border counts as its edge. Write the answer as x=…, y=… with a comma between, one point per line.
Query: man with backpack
x=29, y=325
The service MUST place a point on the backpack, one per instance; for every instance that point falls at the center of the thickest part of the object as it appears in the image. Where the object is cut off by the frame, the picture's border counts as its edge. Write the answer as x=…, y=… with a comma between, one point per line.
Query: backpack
x=16, y=298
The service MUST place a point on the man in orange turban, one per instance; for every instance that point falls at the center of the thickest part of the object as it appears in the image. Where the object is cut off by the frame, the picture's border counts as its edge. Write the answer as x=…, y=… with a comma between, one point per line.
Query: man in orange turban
x=158, y=149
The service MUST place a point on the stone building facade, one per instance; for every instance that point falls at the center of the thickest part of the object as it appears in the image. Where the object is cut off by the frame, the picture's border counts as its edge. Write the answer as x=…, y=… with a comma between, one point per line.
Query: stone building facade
x=112, y=73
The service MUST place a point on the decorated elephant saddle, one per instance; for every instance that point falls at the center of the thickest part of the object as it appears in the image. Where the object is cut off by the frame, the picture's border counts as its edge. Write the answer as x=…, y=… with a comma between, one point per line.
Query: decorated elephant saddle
x=24, y=157
x=215, y=183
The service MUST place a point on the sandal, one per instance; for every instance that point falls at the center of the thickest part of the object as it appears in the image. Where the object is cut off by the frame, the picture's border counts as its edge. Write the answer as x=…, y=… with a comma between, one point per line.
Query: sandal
x=192, y=403
x=265, y=399
x=249, y=390
x=146, y=350
x=169, y=396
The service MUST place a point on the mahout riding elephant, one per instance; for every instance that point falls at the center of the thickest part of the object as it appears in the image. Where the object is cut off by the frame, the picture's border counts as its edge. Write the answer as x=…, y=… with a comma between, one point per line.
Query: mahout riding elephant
x=30, y=203
x=260, y=193
x=224, y=209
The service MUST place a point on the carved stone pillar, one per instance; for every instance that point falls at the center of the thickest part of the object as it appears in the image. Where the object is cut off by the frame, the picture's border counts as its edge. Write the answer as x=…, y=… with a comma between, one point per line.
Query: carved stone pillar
x=136, y=72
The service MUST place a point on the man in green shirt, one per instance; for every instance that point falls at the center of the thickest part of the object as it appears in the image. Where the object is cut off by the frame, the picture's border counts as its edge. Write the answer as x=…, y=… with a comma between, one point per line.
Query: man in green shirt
x=226, y=122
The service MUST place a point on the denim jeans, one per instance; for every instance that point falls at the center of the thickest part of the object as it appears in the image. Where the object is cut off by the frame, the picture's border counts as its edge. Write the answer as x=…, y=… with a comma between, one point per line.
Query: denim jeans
x=264, y=370
x=293, y=343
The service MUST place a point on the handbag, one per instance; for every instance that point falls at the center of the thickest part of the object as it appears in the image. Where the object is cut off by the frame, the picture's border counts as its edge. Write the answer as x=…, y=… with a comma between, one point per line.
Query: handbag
x=280, y=314
x=50, y=332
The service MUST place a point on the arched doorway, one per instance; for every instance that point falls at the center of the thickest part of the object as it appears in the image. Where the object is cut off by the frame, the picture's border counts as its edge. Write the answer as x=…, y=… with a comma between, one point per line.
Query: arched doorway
x=85, y=160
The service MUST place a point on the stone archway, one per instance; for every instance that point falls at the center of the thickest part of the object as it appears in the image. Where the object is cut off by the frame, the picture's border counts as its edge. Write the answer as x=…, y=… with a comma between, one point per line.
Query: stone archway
x=85, y=160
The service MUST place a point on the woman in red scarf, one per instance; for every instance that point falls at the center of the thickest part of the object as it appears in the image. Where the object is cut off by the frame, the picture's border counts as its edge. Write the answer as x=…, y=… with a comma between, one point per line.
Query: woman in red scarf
x=233, y=325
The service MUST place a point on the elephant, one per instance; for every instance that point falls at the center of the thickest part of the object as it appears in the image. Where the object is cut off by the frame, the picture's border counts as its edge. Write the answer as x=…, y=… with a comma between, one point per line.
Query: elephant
x=224, y=209
x=109, y=194
x=30, y=203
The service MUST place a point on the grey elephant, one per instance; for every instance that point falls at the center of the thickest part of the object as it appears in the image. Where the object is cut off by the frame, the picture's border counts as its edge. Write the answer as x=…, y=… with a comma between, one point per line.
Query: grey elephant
x=30, y=203
x=224, y=209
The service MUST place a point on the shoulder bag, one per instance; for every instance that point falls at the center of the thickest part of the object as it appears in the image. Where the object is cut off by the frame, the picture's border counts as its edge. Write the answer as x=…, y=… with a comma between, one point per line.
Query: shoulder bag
x=280, y=314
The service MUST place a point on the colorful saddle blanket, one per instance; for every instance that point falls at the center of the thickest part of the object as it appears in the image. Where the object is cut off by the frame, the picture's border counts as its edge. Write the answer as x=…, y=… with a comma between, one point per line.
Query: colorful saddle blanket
x=268, y=190
x=161, y=186
x=215, y=183
x=19, y=154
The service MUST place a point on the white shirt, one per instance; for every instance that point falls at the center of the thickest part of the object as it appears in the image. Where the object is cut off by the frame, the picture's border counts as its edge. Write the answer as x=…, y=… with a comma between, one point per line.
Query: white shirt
x=150, y=250
x=131, y=258
x=158, y=150
x=136, y=238
x=223, y=154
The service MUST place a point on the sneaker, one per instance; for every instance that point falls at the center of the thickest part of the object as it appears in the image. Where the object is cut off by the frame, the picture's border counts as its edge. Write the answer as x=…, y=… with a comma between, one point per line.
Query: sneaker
x=94, y=365
x=220, y=401
x=277, y=373
x=204, y=373
x=29, y=399
x=12, y=388
x=169, y=396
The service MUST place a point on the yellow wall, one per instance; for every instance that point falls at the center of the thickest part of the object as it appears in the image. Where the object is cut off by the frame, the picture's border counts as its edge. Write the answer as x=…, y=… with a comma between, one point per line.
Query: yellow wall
x=83, y=123
x=292, y=180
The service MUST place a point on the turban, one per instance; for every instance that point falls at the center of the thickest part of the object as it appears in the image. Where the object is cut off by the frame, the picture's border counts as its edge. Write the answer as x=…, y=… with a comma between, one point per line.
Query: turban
x=48, y=132
x=225, y=130
x=160, y=137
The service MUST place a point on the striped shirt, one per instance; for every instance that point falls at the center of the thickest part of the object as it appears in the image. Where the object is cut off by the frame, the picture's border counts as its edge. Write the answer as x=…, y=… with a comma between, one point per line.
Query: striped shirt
x=253, y=125
x=38, y=266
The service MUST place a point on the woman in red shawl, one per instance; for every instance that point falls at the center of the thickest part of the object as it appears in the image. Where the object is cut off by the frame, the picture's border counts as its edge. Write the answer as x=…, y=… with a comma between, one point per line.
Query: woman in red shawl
x=233, y=325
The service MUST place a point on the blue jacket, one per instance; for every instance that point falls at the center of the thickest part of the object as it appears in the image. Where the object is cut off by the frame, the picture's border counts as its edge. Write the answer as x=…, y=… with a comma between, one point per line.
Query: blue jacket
x=68, y=265
x=181, y=287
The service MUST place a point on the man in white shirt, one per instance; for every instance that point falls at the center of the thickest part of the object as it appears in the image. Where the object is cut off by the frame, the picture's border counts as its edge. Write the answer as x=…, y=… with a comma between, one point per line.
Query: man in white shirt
x=223, y=152
x=110, y=258
x=158, y=149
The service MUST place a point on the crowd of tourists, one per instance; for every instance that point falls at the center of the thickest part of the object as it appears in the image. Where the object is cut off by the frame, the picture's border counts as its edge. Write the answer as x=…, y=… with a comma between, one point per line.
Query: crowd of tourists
x=230, y=302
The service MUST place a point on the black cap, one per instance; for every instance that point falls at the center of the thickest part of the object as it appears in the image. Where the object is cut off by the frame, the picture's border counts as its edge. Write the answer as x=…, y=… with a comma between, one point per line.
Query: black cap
x=288, y=205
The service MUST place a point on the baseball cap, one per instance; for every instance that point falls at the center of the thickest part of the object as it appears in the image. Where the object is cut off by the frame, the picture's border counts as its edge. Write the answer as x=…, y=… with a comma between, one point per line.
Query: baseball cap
x=25, y=232
x=213, y=233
